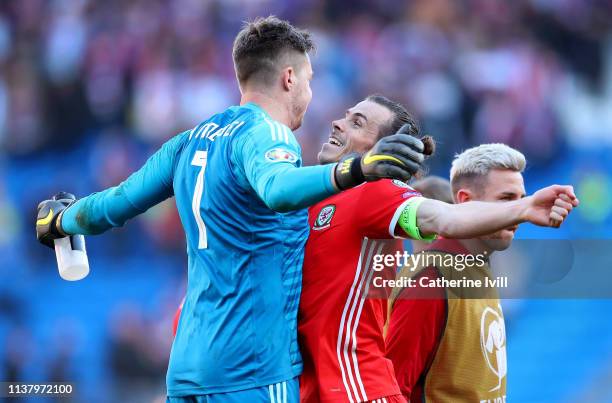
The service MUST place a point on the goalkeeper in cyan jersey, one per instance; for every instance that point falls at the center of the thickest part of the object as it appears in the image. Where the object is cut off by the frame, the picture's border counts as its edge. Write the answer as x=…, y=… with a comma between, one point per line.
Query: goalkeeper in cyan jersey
x=240, y=191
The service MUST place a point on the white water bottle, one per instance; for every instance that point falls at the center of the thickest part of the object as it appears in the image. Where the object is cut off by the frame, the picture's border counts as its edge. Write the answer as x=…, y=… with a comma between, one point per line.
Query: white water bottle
x=72, y=261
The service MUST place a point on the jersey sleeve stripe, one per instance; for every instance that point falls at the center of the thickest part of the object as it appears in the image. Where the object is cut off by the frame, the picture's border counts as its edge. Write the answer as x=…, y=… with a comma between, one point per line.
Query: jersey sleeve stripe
x=271, y=392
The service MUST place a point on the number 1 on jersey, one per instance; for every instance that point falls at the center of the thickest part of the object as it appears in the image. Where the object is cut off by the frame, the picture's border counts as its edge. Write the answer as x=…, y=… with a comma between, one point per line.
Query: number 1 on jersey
x=199, y=160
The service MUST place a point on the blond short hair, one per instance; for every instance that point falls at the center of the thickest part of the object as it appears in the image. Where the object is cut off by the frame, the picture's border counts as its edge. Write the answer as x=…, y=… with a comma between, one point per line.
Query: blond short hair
x=476, y=163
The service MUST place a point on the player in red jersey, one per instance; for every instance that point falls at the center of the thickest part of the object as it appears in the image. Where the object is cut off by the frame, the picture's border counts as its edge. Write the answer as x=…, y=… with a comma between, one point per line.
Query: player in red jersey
x=341, y=331
x=177, y=316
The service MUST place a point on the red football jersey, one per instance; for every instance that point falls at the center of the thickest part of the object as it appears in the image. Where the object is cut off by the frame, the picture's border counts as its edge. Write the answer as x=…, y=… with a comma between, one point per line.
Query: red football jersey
x=341, y=331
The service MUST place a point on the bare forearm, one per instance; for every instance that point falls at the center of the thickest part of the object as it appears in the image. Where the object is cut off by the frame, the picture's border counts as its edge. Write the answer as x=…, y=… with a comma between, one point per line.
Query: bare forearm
x=468, y=220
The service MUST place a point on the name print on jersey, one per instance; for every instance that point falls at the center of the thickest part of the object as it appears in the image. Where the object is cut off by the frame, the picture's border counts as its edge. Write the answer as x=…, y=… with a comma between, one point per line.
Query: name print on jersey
x=211, y=130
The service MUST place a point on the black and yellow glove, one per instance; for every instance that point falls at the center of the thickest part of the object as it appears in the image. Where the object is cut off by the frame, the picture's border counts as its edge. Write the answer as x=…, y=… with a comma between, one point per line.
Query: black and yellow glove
x=398, y=156
x=49, y=211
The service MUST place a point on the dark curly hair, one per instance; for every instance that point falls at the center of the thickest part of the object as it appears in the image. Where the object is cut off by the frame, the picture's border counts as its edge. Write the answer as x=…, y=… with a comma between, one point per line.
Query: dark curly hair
x=401, y=116
x=261, y=45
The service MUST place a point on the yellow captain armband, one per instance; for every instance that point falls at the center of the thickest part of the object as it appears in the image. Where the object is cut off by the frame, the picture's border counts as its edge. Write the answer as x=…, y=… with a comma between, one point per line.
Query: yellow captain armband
x=408, y=220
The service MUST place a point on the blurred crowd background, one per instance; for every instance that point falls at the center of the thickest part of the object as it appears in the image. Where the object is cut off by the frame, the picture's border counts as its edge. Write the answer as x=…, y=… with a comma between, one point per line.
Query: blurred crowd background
x=89, y=89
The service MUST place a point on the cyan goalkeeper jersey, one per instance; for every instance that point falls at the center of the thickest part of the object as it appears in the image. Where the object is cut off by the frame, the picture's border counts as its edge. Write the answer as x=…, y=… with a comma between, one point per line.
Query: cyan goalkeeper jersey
x=230, y=176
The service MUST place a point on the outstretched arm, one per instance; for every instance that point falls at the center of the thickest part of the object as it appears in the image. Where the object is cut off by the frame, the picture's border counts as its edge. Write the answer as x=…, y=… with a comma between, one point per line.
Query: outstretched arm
x=112, y=207
x=546, y=207
x=271, y=164
x=286, y=188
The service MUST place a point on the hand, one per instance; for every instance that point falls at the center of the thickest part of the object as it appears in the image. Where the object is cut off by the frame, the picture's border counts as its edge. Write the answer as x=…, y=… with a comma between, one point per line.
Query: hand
x=398, y=156
x=550, y=206
x=47, y=220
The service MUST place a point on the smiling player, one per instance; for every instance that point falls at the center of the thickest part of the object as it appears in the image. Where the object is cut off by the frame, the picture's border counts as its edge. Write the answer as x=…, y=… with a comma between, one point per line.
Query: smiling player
x=341, y=332
x=340, y=328
x=240, y=190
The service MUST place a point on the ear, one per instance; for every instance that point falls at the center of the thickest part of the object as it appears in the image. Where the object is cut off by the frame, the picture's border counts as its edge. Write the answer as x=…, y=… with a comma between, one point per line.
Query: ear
x=289, y=78
x=463, y=195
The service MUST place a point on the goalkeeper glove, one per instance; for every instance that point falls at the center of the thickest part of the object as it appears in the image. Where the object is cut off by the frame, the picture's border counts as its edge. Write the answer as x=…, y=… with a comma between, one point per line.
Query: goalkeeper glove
x=398, y=156
x=47, y=220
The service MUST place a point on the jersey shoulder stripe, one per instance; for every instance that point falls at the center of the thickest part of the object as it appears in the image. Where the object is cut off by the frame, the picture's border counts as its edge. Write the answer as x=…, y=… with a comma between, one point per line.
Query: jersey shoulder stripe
x=272, y=127
x=278, y=131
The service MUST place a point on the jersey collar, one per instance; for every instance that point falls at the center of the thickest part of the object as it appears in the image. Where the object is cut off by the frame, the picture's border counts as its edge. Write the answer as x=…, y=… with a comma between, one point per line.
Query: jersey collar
x=254, y=107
